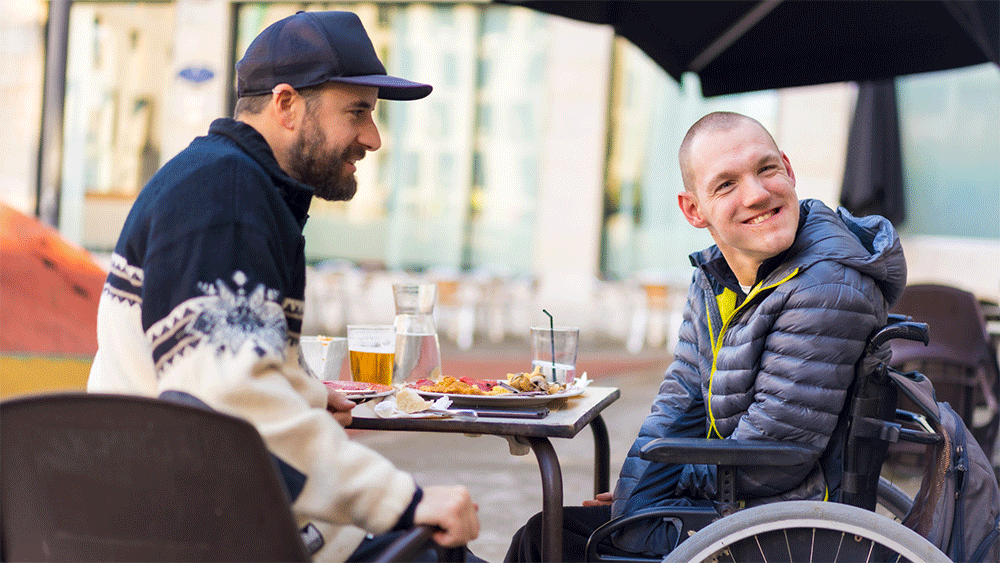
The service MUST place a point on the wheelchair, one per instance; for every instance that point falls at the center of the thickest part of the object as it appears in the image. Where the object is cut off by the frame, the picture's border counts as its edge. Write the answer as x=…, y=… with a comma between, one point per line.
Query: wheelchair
x=849, y=530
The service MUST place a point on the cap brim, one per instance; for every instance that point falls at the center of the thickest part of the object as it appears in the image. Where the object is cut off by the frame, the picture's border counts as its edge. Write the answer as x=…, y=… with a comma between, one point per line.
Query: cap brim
x=389, y=87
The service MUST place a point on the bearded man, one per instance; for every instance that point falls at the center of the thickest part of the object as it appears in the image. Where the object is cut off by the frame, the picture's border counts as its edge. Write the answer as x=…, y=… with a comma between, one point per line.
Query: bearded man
x=205, y=296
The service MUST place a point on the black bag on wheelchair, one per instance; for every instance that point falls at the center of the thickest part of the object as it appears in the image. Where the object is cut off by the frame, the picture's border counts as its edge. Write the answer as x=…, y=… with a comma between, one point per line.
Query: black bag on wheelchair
x=958, y=505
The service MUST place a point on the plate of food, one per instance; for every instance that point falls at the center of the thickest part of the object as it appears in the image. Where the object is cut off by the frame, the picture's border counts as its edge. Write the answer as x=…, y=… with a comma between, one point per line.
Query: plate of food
x=518, y=390
x=359, y=391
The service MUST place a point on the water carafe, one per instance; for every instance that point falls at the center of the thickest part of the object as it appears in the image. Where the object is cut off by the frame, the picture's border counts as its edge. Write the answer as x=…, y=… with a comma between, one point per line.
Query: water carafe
x=418, y=352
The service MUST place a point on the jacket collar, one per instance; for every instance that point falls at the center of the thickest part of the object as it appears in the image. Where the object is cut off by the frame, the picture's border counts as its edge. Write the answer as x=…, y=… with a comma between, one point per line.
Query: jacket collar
x=297, y=196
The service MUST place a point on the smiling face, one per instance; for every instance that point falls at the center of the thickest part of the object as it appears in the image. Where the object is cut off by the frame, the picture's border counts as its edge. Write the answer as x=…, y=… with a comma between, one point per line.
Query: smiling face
x=337, y=131
x=742, y=189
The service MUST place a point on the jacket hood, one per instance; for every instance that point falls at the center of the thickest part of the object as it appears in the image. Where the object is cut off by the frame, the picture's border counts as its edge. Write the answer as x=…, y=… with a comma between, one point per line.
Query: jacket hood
x=869, y=245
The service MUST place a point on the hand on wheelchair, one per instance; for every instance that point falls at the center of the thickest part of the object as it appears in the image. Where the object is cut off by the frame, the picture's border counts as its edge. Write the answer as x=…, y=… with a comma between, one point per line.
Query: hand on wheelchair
x=451, y=510
x=602, y=499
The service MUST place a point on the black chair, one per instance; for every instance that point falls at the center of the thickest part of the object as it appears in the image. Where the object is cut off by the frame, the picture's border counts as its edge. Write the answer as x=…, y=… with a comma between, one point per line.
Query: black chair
x=89, y=477
x=866, y=428
x=960, y=360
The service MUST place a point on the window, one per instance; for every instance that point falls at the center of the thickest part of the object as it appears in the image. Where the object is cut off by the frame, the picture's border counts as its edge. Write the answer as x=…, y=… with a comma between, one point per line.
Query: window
x=115, y=95
x=951, y=152
x=454, y=182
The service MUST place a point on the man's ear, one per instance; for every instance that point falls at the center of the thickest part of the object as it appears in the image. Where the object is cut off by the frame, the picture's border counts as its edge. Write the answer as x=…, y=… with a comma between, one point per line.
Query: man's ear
x=287, y=106
x=788, y=167
x=689, y=207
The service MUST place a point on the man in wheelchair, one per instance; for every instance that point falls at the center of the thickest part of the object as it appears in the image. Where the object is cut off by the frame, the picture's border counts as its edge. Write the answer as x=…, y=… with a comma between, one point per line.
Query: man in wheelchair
x=777, y=316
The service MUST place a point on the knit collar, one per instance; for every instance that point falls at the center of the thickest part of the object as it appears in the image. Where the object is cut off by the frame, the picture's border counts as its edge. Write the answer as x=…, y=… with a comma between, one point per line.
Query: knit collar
x=297, y=196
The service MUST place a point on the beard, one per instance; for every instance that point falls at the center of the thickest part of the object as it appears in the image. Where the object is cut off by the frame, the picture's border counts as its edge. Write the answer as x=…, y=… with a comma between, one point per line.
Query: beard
x=321, y=168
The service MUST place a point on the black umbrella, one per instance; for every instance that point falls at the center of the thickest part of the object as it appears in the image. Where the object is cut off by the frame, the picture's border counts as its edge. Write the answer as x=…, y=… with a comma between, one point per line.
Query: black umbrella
x=747, y=46
x=873, y=177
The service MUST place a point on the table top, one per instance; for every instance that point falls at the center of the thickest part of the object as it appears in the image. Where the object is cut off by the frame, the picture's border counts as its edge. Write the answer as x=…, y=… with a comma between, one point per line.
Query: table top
x=565, y=419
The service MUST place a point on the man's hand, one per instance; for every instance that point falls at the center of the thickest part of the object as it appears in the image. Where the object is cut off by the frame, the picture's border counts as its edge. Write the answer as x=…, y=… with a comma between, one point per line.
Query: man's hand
x=452, y=510
x=602, y=499
x=340, y=406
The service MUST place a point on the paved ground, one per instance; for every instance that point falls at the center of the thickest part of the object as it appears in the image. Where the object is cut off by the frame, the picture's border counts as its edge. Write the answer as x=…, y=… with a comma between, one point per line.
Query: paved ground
x=507, y=487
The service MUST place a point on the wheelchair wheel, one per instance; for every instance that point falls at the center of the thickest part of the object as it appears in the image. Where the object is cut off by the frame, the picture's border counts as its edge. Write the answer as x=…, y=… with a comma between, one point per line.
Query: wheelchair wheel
x=892, y=501
x=801, y=531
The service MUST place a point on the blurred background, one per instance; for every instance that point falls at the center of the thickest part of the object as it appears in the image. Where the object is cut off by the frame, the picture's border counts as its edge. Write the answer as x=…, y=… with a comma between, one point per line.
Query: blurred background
x=541, y=172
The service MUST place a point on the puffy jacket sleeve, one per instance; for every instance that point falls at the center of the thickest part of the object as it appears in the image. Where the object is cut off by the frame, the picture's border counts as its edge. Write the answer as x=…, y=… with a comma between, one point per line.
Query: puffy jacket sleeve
x=678, y=410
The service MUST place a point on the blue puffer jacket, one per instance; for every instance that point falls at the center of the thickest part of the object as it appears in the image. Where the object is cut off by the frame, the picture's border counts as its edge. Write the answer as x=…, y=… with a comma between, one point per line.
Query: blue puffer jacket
x=775, y=366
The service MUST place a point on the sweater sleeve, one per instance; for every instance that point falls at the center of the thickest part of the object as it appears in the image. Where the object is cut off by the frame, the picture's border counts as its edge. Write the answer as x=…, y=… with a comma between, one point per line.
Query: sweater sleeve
x=216, y=306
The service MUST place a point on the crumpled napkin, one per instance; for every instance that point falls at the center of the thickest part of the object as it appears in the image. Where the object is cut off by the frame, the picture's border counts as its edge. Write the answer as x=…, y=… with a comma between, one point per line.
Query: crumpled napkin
x=576, y=387
x=439, y=409
x=579, y=382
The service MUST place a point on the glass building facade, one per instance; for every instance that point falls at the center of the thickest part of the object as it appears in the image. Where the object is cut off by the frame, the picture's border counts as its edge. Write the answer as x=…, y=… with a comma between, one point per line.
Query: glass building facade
x=456, y=184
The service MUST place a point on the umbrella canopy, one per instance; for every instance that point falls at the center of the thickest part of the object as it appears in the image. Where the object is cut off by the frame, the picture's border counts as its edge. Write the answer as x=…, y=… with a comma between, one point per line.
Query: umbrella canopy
x=747, y=46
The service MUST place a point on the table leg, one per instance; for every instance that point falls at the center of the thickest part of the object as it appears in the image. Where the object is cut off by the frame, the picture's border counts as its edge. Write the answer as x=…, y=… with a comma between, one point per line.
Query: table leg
x=552, y=499
x=602, y=456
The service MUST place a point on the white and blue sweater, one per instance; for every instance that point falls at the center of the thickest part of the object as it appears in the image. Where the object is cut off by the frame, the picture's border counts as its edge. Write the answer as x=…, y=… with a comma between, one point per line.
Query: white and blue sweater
x=205, y=298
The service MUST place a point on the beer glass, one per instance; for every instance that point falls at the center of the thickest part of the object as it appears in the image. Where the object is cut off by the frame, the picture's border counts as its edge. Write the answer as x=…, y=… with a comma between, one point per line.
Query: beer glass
x=372, y=349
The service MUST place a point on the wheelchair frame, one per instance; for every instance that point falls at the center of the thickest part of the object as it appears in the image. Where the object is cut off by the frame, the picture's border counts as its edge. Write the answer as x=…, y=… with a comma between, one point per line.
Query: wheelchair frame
x=869, y=423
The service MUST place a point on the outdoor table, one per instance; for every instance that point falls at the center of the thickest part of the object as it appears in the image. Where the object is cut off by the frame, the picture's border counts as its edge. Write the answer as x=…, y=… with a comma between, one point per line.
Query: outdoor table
x=565, y=419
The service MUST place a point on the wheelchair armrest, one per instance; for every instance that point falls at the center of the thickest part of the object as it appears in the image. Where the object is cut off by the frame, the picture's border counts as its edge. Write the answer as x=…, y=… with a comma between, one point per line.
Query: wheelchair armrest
x=685, y=518
x=727, y=452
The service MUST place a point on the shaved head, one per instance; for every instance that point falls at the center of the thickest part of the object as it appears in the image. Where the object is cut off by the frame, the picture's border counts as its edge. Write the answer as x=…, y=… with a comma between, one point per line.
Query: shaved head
x=715, y=121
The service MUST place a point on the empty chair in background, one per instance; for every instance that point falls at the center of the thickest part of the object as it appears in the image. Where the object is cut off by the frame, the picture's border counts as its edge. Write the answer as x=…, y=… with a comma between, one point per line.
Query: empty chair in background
x=490, y=284
x=458, y=298
x=520, y=304
x=656, y=315
x=333, y=297
x=959, y=360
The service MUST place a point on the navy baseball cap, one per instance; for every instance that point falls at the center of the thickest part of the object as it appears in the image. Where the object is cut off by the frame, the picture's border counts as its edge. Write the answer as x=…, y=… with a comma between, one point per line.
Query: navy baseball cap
x=313, y=48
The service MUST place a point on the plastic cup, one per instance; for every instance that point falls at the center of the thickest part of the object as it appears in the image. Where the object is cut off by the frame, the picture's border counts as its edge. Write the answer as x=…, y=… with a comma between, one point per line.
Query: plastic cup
x=372, y=350
x=324, y=355
x=554, y=351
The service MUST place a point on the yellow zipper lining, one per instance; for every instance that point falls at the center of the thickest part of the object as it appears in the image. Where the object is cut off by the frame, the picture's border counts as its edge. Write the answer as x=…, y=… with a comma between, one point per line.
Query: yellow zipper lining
x=724, y=299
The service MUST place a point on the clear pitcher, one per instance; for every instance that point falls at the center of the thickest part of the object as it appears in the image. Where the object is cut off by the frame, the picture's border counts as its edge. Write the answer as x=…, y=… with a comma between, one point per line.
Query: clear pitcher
x=418, y=352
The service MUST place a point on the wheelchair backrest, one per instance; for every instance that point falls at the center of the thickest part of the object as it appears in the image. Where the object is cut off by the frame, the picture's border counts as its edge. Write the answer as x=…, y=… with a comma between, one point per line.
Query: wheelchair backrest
x=958, y=505
x=868, y=422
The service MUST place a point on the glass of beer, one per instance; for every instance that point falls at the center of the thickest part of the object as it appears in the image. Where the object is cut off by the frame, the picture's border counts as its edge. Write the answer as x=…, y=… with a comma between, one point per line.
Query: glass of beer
x=372, y=349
